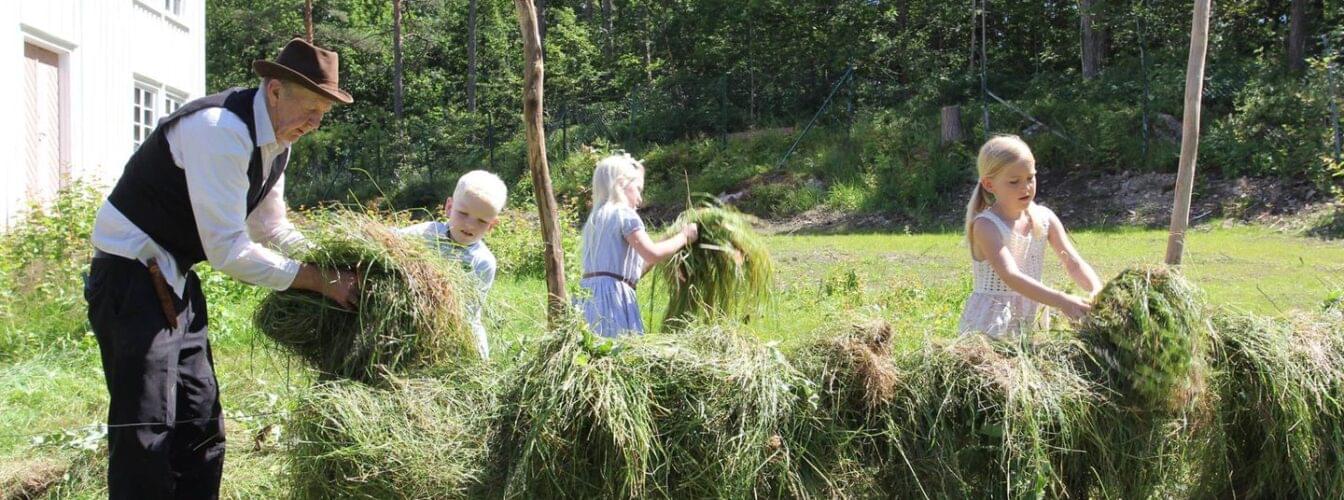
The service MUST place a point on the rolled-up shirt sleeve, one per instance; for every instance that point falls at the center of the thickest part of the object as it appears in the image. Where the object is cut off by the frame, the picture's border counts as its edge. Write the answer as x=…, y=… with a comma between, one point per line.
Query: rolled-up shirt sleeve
x=269, y=223
x=213, y=148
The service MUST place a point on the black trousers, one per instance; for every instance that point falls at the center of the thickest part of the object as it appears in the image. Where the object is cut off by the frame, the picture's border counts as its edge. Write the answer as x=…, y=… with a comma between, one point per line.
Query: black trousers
x=165, y=431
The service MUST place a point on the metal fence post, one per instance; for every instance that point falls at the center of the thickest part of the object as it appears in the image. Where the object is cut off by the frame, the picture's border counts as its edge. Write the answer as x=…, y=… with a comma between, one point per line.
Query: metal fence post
x=1334, y=104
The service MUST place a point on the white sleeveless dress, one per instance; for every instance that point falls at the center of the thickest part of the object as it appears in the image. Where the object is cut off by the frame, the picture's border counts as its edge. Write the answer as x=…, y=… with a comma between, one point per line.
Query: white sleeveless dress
x=993, y=308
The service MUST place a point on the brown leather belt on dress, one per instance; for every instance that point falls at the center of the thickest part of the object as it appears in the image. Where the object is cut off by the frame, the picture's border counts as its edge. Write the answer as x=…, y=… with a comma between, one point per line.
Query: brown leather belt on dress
x=614, y=276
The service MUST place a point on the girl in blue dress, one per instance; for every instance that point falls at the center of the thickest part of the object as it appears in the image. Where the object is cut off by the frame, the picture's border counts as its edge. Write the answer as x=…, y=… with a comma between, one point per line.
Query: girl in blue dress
x=616, y=248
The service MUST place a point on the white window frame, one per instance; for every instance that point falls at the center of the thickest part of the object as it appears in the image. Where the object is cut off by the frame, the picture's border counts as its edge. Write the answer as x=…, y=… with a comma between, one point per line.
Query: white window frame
x=172, y=100
x=144, y=111
x=165, y=10
x=163, y=101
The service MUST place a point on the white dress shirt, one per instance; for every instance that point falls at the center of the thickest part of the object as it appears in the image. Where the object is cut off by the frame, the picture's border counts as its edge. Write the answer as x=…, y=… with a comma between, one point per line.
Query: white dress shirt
x=212, y=146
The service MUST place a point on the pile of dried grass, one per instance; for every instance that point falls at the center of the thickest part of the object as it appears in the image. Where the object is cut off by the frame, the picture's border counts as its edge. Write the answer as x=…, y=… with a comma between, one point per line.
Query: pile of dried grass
x=1146, y=328
x=409, y=314
x=1281, y=408
x=702, y=413
x=419, y=438
x=726, y=273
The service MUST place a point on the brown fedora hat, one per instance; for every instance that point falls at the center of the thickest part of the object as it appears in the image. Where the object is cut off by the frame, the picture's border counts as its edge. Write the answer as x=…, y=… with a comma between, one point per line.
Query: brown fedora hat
x=307, y=64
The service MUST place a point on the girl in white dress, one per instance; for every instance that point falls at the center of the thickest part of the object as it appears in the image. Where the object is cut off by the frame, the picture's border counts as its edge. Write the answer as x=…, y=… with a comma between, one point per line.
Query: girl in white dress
x=1008, y=233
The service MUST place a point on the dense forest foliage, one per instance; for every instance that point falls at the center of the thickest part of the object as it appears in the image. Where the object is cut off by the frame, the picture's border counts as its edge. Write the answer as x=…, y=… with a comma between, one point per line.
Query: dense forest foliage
x=1094, y=85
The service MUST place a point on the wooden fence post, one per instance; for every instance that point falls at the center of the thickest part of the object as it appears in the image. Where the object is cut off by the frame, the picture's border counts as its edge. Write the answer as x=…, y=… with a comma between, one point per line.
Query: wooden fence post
x=1194, y=90
x=533, y=76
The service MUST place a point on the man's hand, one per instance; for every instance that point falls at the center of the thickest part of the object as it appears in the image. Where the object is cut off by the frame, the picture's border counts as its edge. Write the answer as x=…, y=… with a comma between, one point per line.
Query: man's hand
x=339, y=285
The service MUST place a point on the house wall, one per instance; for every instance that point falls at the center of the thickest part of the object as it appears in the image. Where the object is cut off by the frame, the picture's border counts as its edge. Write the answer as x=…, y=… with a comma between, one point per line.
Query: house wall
x=106, y=46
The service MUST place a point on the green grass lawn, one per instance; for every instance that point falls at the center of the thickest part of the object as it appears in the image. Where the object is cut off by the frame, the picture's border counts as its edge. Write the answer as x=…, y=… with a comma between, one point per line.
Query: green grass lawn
x=917, y=282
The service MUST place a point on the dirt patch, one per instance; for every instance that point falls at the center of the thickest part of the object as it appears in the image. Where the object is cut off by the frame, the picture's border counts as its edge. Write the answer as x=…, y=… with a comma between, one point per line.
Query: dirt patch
x=1113, y=199
x=1146, y=199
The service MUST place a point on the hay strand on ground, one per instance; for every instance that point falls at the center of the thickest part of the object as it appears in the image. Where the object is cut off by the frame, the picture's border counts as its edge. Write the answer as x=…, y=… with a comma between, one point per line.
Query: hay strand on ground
x=30, y=478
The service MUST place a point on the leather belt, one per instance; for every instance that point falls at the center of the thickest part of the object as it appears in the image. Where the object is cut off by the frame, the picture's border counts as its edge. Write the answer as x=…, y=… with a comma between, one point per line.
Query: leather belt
x=614, y=276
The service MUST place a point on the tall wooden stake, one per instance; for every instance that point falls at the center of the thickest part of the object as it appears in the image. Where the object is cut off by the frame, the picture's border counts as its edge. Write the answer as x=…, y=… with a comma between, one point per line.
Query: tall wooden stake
x=396, y=57
x=533, y=73
x=1194, y=89
x=308, y=18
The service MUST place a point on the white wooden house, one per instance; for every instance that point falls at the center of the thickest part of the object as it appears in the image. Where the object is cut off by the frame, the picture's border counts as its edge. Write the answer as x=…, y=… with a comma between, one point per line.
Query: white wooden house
x=88, y=79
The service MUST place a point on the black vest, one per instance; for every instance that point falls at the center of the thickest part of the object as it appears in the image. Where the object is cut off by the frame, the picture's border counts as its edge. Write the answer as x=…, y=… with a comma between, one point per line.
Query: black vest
x=152, y=191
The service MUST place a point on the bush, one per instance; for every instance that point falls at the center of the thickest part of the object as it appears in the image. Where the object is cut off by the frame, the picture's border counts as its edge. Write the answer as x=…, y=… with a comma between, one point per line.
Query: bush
x=42, y=261
x=1278, y=127
x=780, y=200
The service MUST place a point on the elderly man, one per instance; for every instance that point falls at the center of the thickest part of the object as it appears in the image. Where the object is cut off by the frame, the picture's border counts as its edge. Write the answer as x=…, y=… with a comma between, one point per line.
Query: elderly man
x=207, y=185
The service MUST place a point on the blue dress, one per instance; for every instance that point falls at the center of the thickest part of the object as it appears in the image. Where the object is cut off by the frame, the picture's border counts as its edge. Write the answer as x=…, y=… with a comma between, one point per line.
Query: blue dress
x=611, y=267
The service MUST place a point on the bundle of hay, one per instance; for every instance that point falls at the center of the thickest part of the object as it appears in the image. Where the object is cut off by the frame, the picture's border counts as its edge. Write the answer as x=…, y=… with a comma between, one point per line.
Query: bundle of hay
x=1281, y=409
x=991, y=419
x=726, y=273
x=577, y=423
x=697, y=415
x=1145, y=329
x=847, y=436
x=423, y=438
x=409, y=313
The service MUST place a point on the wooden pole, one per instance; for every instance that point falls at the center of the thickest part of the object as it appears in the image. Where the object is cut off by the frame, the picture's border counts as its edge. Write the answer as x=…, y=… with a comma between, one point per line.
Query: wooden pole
x=533, y=76
x=396, y=57
x=1194, y=89
x=308, y=18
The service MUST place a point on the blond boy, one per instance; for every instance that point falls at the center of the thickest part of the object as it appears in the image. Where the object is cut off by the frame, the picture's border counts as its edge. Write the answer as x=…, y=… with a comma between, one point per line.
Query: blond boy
x=472, y=211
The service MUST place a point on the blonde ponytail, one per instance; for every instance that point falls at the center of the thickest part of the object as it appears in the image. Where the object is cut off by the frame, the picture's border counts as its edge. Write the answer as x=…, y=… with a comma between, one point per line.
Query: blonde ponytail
x=979, y=202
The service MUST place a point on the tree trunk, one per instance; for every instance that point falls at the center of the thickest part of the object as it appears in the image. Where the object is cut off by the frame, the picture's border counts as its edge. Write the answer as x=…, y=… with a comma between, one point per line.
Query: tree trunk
x=471, y=55
x=308, y=18
x=951, y=120
x=751, y=66
x=396, y=57
x=609, y=24
x=1093, y=37
x=1194, y=89
x=541, y=24
x=533, y=77
x=1297, y=37
x=976, y=16
x=648, y=45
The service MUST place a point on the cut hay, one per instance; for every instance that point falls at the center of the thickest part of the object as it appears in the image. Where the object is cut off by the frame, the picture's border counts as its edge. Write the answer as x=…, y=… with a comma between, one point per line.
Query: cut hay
x=694, y=415
x=1280, y=384
x=1146, y=328
x=856, y=369
x=726, y=273
x=991, y=419
x=423, y=438
x=409, y=314
x=846, y=438
x=30, y=478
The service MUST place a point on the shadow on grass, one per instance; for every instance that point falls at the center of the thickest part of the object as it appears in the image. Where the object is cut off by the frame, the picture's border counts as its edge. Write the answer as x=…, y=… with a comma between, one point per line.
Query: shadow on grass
x=1329, y=226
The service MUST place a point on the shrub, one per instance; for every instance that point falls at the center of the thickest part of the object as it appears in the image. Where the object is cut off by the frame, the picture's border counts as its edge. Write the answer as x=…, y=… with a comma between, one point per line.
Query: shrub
x=42, y=260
